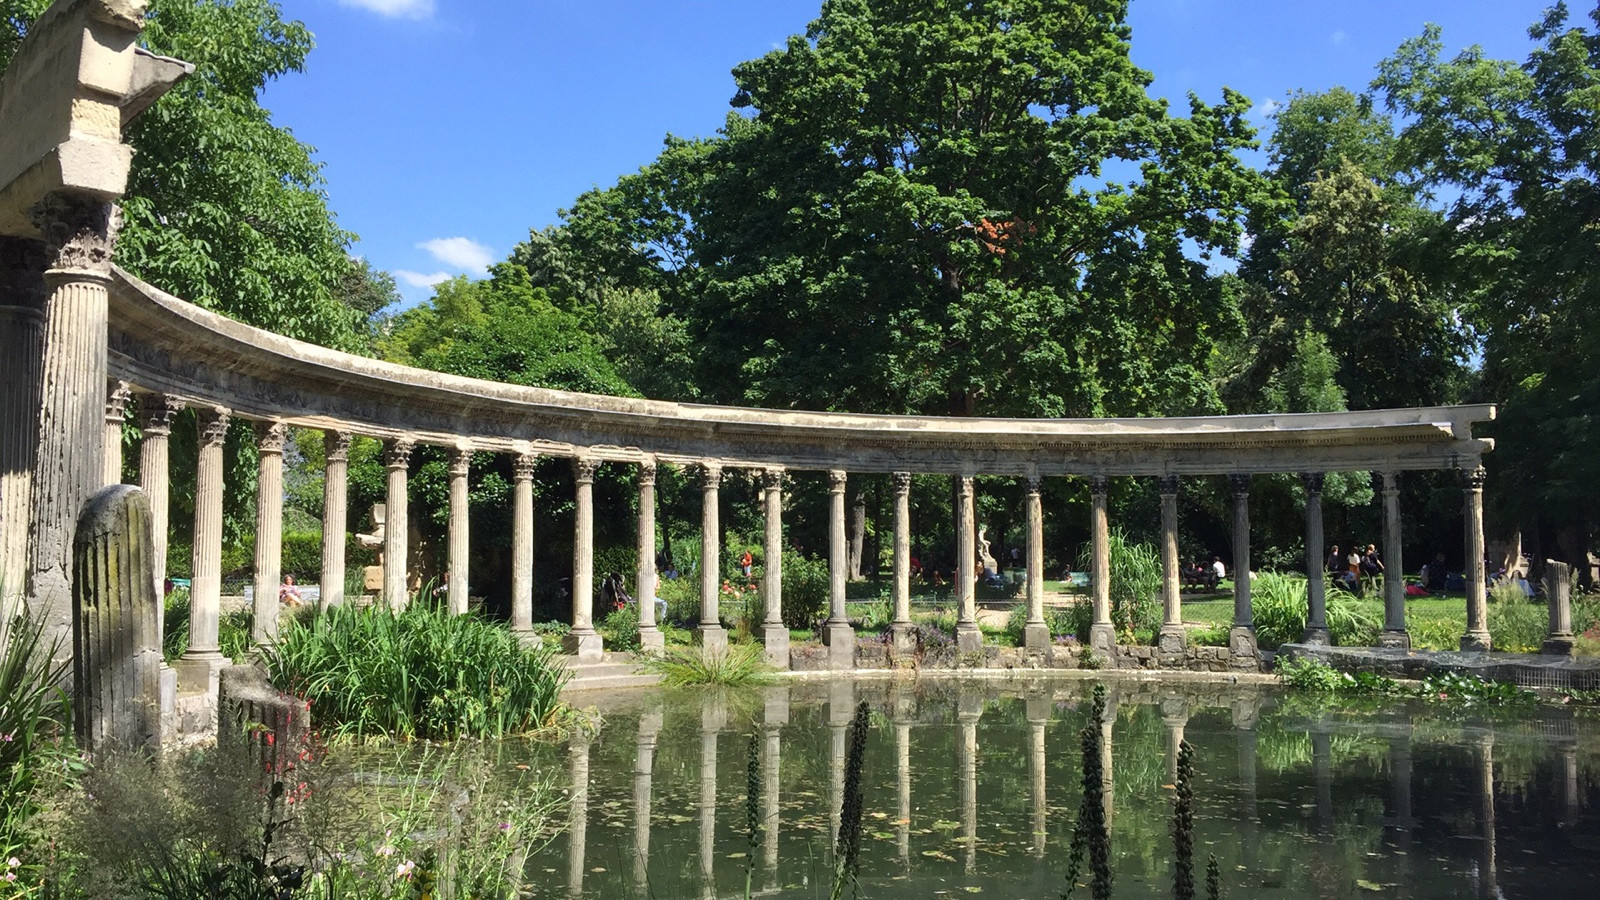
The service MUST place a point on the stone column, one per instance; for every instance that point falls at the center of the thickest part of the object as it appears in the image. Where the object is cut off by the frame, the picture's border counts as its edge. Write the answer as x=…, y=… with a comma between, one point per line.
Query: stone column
x=837, y=633
x=396, y=536
x=22, y=304
x=1175, y=716
x=156, y=413
x=710, y=633
x=1102, y=633
x=1036, y=632
x=651, y=640
x=1558, y=595
x=774, y=634
x=583, y=641
x=1477, y=635
x=69, y=464
x=902, y=633
x=904, y=715
x=1108, y=780
x=203, y=659
x=335, y=515
x=1316, y=588
x=644, y=755
x=270, y=437
x=969, y=708
x=522, y=543
x=116, y=410
x=578, y=812
x=1394, y=582
x=1242, y=637
x=458, y=566
x=775, y=715
x=1038, y=714
x=968, y=638
x=1172, y=638
x=1488, y=868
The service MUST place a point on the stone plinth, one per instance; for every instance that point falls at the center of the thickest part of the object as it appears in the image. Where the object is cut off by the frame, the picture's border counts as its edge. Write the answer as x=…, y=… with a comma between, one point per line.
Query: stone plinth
x=1558, y=594
x=274, y=726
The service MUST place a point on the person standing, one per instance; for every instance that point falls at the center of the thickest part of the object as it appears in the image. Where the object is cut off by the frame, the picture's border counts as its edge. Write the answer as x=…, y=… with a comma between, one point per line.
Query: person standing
x=745, y=563
x=1335, y=562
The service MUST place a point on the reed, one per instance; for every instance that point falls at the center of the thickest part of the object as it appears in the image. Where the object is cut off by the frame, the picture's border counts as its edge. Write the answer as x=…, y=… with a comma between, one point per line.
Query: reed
x=847, y=855
x=739, y=664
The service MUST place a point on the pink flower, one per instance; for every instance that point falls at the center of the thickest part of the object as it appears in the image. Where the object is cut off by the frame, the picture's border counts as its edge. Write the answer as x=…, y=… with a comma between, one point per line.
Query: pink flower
x=405, y=869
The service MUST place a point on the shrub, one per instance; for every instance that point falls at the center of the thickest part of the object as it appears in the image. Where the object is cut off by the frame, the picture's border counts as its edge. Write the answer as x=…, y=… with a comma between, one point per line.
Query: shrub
x=620, y=628
x=421, y=673
x=805, y=590
x=302, y=555
x=1060, y=622
x=683, y=600
x=1279, y=607
x=1517, y=626
x=233, y=629
x=739, y=664
x=34, y=714
x=1135, y=587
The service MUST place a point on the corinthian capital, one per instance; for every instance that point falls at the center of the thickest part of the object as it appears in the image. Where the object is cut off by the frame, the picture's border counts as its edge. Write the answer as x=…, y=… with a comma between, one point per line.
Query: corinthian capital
x=78, y=233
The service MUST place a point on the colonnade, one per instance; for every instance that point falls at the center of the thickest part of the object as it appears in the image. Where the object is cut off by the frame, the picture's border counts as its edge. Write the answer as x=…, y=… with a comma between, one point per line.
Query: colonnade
x=156, y=414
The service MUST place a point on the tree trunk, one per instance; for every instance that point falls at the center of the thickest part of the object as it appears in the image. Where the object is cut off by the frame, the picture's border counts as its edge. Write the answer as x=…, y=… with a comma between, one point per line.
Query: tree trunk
x=858, y=534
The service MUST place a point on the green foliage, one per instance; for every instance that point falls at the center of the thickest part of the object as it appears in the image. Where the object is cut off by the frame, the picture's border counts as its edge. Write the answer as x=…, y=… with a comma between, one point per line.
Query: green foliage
x=620, y=628
x=302, y=555
x=1135, y=587
x=1308, y=674
x=1279, y=608
x=233, y=629
x=35, y=716
x=421, y=673
x=1518, y=626
x=847, y=853
x=1460, y=691
x=1091, y=833
x=1060, y=621
x=740, y=664
x=805, y=590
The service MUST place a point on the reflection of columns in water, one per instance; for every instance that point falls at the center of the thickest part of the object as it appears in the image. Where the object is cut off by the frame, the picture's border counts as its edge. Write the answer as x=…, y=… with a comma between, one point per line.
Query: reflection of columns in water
x=644, y=757
x=712, y=720
x=1400, y=819
x=1108, y=781
x=1569, y=782
x=841, y=707
x=776, y=716
x=968, y=709
x=578, y=821
x=1246, y=711
x=1488, y=874
x=1175, y=715
x=1322, y=771
x=1038, y=713
x=904, y=713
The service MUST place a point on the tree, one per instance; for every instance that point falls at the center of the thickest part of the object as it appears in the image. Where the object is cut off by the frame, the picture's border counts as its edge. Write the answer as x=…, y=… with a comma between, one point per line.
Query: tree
x=1517, y=148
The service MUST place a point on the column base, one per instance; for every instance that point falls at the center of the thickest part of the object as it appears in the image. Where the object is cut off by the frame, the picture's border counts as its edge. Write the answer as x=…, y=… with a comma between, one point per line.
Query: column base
x=1395, y=638
x=198, y=674
x=1317, y=637
x=1476, y=641
x=1557, y=645
x=841, y=641
x=586, y=645
x=651, y=640
x=1172, y=639
x=168, y=680
x=1242, y=647
x=1103, y=641
x=902, y=640
x=969, y=638
x=1036, y=637
x=775, y=637
x=712, y=637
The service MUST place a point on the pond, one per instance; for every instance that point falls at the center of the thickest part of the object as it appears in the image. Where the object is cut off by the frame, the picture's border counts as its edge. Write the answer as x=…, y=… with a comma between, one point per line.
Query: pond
x=971, y=786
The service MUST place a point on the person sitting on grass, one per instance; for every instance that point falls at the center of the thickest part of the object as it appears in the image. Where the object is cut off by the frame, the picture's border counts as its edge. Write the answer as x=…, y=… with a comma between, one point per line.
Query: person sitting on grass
x=288, y=593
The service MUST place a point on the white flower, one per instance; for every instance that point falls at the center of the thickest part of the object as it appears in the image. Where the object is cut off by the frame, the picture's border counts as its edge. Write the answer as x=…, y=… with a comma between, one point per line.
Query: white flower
x=404, y=869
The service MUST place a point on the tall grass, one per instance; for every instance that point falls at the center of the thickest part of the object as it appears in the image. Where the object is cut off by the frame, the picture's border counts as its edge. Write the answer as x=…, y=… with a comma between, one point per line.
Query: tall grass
x=1278, y=605
x=1134, y=586
x=739, y=664
x=420, y=673
x=34, y=712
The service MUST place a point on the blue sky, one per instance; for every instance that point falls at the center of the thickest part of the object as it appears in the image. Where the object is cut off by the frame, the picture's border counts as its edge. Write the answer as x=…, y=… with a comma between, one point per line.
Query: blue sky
x=449, y=128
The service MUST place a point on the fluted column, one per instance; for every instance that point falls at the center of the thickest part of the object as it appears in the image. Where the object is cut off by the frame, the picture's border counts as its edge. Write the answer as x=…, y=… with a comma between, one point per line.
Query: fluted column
x=1394, y=582
x=577, y=812
x=774, y=633
x=1242, y=637
x=583, y=641
x=205, y=585
x=1038, y=714
x=837, y=633
x=522, y=543
x=1316, y=578
x=117, y=397
x=1477, y=634
x=270, y=437
x=968, y=638
x=651, y=639
x=709, y=632
x=1171, y=638
x=644, y=755
x=335, y=515
x=902, y=632
x=1102, y=633
x=156, y=413
x=22, y=303
x=457, y=570
x=396, y=536
x=1036, y=632
x=70, y=463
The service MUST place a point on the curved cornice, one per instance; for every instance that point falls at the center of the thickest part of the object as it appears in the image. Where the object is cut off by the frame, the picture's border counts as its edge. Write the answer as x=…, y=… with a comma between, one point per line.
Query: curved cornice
x=164, y=344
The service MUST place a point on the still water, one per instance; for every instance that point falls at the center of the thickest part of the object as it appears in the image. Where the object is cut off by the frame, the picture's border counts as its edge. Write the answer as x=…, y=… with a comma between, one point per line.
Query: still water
x=970, y=789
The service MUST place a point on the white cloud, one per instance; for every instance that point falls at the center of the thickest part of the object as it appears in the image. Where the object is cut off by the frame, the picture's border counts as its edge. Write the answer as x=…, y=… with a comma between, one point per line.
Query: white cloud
x=394, y=9
x=421, y=279
x=1265, y=109
x=1338, y=37
x=463, y=253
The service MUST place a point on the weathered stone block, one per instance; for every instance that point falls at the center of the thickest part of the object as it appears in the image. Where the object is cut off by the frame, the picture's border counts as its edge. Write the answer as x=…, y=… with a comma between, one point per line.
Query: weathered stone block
x=273, y=725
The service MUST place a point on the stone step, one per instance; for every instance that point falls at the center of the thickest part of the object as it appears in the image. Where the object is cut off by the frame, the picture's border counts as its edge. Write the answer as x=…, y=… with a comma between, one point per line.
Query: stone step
x=611, y=682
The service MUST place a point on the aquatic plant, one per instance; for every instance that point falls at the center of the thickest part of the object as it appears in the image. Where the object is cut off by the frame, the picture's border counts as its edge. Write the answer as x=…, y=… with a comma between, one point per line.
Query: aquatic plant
x=1091, y=836
x=1183, y=825
x=847, y=853
x=419, y=673
x=739, y=664
x=1314, y=676
x=1213, y=879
